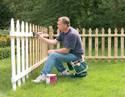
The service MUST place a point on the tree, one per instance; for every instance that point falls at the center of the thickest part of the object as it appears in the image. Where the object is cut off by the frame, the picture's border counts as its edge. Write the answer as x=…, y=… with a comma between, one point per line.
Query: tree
x=5, y=15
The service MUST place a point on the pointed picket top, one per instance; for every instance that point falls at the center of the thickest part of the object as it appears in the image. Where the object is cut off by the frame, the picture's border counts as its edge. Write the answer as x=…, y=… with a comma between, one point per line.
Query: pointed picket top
x=122, y=30
x=12, y=30
x=33, y=28
x=78, y=30
x=22, y=27
x=109, y=30
x=30, y=27
x=83, y=31
x=103, y=30
x=116, y=30
x=17, y=26
x=50, y=29
x=96, y=31
x=90, y=31
x=26, y=27
x=40, y=28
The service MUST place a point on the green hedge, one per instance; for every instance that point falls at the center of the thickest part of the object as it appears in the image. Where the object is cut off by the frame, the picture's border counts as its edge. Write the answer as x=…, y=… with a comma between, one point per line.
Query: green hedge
x=5, y=52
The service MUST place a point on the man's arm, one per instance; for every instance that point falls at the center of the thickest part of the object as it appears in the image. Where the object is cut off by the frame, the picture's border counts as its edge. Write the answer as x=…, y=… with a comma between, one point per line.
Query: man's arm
x=49, y=41
x=62, y=50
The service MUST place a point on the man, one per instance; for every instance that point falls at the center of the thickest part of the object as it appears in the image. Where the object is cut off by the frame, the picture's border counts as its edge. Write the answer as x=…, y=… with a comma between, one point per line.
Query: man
x=72, y=49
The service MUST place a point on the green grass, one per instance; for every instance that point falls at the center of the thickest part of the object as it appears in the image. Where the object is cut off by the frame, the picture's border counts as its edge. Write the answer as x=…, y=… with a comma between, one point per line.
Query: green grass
x=104, y=80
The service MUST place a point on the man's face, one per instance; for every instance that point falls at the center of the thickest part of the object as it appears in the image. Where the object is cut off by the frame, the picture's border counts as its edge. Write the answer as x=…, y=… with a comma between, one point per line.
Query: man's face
x=61, y=26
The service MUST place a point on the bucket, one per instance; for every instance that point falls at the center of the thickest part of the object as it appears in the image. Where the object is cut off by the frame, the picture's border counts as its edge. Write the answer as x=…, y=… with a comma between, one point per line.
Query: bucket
x=51, y=79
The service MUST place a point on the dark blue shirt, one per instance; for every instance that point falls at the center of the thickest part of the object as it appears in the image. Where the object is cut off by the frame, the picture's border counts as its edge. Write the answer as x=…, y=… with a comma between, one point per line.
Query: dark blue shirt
x=71, y=40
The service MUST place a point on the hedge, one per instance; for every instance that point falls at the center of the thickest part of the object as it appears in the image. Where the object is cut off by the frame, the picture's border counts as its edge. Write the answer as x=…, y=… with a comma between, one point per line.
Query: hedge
x=5, y=52
x=4, y=40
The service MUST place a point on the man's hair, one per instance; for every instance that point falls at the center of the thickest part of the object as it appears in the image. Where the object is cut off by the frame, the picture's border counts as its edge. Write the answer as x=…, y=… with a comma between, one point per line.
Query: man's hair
x=65, y=20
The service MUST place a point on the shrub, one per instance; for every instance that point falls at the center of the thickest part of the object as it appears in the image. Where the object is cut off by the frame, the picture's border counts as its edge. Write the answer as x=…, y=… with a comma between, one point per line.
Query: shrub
x=4, y=40
x=5, y=52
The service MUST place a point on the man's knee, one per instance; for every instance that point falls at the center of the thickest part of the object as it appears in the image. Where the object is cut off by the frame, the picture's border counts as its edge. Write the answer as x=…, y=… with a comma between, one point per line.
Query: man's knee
x=53, y=55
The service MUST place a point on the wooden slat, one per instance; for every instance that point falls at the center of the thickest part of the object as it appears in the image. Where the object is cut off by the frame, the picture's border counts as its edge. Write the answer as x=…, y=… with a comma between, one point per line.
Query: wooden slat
x=13, y=55
x=115, y=44
x=18, y=52
x=23, y=51
x=33, y=47
x=109, y=43
x=83, y=40
x=27, y=59
x=90, y=43
x=122, y=43
x=103, y=43
x=96, y=43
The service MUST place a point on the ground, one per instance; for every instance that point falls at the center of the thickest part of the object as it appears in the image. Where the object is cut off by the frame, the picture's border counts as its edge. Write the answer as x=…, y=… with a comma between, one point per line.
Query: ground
x=104, y=80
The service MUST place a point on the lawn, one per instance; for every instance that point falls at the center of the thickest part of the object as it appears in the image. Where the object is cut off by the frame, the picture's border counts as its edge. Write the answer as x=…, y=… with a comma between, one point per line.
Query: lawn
x=104, y=80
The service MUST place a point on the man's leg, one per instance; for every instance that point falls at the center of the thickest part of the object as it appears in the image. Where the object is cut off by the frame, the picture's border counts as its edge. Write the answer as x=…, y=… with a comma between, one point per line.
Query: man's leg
x=57, y=59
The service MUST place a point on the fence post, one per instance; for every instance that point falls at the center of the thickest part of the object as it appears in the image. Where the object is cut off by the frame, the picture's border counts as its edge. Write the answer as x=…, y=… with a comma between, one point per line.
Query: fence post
x=27, y=62
x=13, y=55
x=109, y=44
x=38, y=30
x=122, y=43
x=33, y=57
x=90, y=43
x=30, y=46
x=115, y=44
x=40, y=45
x=83, y=39
x=18, y=51
x=23, y=50
x=36, y=54
x=58, y=45
x=96, y=43
x=103, y=42
x=51, y=35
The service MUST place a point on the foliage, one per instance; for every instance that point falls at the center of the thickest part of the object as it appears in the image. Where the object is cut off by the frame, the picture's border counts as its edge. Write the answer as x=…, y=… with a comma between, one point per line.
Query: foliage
x=4, y=40
x=4, y=52
x=83, y=13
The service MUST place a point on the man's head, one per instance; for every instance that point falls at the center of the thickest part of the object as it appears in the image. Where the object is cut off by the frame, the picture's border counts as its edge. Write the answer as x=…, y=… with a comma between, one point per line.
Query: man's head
x=63, y=23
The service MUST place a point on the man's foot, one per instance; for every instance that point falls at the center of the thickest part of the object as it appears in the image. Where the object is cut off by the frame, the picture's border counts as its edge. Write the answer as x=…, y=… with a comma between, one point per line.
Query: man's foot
x=40, y=78
x=83, y=74
x=65, y=73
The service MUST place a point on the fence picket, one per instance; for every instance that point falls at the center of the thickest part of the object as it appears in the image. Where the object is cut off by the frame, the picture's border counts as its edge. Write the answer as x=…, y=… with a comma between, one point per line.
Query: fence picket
x=23, y=51
x=13, y=55
x=90, y=44
x=122, y=43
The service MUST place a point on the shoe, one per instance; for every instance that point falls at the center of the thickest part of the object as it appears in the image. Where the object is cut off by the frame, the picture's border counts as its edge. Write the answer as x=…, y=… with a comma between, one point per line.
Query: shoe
x=83, y=74
x=40, y=78
x=65, y=73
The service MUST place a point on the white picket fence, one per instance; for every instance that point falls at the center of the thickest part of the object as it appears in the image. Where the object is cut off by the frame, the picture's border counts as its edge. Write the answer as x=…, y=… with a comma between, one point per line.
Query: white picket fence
x=27, y=52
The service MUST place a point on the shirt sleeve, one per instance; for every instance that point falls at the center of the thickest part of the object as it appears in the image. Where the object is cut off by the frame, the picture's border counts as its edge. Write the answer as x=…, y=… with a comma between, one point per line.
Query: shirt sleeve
x=70, y=42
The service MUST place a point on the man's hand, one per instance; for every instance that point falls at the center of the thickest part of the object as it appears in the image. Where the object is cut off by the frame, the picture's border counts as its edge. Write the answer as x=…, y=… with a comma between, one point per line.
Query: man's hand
x=40, y=36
